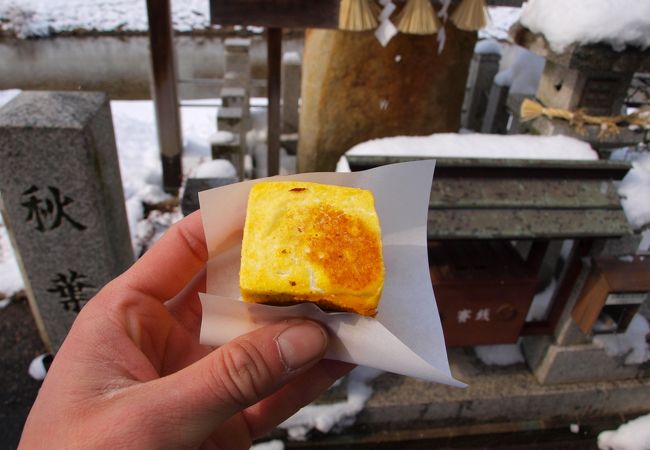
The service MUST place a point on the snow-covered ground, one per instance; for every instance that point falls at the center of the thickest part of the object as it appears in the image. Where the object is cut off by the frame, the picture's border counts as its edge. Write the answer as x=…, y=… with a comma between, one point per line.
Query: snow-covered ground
x=619, y=23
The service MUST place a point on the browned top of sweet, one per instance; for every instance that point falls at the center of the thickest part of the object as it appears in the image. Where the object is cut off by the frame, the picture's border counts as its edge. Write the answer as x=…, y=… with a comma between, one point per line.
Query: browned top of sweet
x=344, y=246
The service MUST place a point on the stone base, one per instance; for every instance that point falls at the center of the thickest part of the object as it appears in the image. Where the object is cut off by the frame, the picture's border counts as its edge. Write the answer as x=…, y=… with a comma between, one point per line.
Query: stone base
x=556, y=364
x=499, y=394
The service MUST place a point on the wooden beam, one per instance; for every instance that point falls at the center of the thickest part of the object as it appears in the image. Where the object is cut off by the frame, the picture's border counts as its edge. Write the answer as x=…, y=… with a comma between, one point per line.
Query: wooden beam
x=290, y=13
x=274, y=47
x=164, y=92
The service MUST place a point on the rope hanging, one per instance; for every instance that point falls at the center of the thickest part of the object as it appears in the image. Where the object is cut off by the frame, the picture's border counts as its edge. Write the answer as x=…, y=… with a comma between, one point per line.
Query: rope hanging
x=418, y=17
x=470, y=15
x=358, y=15
x=609, y=125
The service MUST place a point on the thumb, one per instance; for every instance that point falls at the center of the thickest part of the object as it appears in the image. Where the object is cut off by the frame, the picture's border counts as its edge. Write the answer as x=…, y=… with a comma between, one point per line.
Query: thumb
x=205, y=394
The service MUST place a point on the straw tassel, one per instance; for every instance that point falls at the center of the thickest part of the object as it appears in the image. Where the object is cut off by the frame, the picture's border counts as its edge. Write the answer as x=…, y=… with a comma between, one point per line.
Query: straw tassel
x=609, y=125
x=418, y=17
x=358, y=15
x=471, y=15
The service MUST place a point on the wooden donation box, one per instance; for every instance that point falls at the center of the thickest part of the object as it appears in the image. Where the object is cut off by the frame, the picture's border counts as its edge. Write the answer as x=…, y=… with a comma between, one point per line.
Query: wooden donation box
x=613, y=293
x=483, y=290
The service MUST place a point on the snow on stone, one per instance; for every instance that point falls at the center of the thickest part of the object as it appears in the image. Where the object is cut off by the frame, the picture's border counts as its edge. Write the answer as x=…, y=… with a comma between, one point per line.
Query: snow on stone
x=499, y=355
x=487, y=46
x=11, y=281
x=520, y=69
x=452, y=145
x=619, y=23
x=501, y=19
x=38, y=18
x=541, y=302
x=325, y=417
x=635, y=192
x=631, y=343
x=216, y=168
x=269, y=445
x=633, y=435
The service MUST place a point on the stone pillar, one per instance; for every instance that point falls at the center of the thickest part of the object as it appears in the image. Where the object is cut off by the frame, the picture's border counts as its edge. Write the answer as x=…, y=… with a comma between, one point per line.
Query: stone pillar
x=353, y=90
x=63, y=201
x=482, y=69
x=237, y=71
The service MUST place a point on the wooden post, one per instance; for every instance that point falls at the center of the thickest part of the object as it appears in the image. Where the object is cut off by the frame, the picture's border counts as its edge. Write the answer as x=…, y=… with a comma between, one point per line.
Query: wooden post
x=274, y=55
x=164, y=92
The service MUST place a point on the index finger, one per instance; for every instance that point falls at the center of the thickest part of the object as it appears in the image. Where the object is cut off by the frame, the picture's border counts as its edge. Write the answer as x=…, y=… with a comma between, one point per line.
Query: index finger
x=167, y=267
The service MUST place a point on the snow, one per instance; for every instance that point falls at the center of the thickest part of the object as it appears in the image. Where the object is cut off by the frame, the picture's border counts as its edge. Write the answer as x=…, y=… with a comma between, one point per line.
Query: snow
x=216, y=168
x=38, y=18
x=325, y=417
x=619, y=23
x=520, y=69
x=37, y=368
x=487, y=46
x=501, y=19
x=499, y=355
x=269, y=445
x=633, y=435
x=632, y=343
x=635, y=192
x=451, y=145
x=11, y=280
x=539, y=307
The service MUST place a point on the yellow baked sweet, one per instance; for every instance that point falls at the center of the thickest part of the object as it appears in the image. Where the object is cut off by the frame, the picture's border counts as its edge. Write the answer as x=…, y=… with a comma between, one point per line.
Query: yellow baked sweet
x=310, y=242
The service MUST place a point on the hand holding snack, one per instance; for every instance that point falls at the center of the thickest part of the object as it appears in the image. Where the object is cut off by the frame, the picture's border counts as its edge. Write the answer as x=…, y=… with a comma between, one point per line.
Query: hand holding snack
x=131, y=373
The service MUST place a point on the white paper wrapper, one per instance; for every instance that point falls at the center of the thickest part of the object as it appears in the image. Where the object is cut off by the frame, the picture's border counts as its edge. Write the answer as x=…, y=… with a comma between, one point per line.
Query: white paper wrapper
x=406, y=336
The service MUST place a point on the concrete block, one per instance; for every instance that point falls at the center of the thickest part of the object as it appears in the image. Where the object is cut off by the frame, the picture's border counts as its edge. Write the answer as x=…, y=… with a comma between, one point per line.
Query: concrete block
x=63, y=201
x=583, y=363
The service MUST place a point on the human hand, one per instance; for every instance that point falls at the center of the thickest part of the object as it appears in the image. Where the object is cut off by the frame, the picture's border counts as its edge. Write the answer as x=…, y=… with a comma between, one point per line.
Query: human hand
x=132, y=374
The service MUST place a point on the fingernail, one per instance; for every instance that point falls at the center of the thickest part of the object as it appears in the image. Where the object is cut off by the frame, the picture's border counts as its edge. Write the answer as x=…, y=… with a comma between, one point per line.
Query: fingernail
x=301, y=344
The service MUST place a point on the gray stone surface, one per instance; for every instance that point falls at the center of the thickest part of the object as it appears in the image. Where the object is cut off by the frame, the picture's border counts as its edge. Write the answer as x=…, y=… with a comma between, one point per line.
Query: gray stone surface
x=580, y=363
x=494, y=394
x=63, y=201
x=482, y=69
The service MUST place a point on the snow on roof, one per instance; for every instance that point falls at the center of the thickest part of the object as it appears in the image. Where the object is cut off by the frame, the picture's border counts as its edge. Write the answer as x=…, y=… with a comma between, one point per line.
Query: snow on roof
x=452, y=145
x=38, y=18
x=615, y=22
